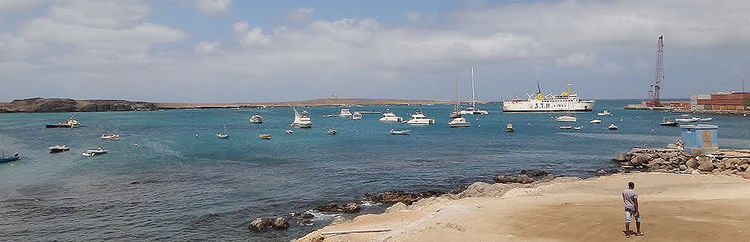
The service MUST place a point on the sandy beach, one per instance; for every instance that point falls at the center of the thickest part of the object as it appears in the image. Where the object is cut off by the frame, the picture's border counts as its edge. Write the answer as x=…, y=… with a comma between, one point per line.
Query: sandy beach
x=674, y=207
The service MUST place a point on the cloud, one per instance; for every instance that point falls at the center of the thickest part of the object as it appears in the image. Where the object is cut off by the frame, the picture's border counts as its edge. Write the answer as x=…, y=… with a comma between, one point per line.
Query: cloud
x=252, y=37
x=577, y=59
x=15, y=6
x=300, y=15
x=412, y=16
x=204, y=48
x=213, y=7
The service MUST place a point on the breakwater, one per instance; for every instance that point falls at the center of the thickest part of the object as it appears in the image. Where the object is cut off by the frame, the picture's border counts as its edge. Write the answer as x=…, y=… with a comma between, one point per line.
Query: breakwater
x=721, y=161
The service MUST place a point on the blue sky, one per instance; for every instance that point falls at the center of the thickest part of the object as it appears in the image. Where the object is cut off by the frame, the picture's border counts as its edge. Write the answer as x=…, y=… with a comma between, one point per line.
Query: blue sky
x=230, y=50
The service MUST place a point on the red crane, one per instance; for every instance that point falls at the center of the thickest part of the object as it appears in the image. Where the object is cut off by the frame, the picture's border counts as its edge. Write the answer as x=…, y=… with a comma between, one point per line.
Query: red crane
x=654, y=94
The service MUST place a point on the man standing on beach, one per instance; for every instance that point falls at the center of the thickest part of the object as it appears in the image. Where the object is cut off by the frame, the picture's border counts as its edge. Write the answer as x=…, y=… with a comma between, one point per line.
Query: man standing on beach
x=630, y=197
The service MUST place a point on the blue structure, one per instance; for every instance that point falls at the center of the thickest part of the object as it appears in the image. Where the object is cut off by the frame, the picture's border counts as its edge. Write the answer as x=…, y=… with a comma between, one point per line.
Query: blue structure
x=700, y=137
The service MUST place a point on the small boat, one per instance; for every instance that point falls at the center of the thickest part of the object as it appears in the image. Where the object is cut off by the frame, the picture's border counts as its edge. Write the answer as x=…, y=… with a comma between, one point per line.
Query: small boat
x=113, y=137
x=58, y=148
x=388, y=116
x=509, y=127
x=596, y=121
x=71, y=123
x=357, y=116
x=330, y=115
x=97, y=151
x=566, y=127
x=400, y=132
x=224, y=135
x=256, y=119
x=612, y=126
x=706, y=119
x=265, y=136
x=687, y=120
x=418, y=118
x=604, y=113
x=289, y=131
x=459, y=122
x=473, y=109
x=332, y=131
x=345, y=113
x=578, y=128
x=566, y=118
x=667, y=122
x=4, y=158
x=301, y=120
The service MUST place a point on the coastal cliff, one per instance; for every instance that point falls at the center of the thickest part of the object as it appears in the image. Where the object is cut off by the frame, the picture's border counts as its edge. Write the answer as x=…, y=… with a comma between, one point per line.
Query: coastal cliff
x=41, y=105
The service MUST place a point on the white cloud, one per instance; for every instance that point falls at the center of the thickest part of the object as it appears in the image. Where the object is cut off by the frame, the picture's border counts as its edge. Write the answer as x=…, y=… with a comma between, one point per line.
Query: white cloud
x=204, y=48
x=100, y=14
x=213, y=7
x=301, y=14
x=253, y=37
x=18, y=5
x=240, y=27
x=577, y=59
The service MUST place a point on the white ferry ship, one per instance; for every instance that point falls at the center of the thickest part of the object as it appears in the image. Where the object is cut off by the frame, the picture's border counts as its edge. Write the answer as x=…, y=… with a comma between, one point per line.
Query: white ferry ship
x=567, y=101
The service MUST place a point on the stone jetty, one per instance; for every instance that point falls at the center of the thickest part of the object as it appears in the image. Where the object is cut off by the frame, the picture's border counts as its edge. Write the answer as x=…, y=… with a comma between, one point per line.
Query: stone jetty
x=721, y=161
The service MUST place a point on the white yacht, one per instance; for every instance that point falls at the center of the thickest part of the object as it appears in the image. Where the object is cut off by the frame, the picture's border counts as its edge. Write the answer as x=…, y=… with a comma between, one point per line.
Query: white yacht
x=301, y=120
x=596, y=121
x=111, y=137
x=93, y=152
x=459, y=122
x=418, y=118
x=604, y=113
x=388, y=116
x=687, y=120
x=256, y=119
x=566, y=118
x=473, y=109
x=357, y=116
x=612, y=126
x=567, y=101
x=58, y=148
x=345, y=113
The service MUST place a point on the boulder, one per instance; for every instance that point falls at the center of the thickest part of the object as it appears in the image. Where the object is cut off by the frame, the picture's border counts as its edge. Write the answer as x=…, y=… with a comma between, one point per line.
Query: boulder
x=620, y=157
x=705, y=164
x=731, y=163
x=692, y=163
x=745, y=175
x=280, y=223
x=640, y=159
x=263, y=224
x=659, y=161
x=302, y=217
x=683, y=167
x=744, y=161
x=744, y=167
x=339, y=207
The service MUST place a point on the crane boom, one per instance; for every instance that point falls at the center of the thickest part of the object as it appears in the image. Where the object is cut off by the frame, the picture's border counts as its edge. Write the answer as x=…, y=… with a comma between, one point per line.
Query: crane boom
x=658, y=75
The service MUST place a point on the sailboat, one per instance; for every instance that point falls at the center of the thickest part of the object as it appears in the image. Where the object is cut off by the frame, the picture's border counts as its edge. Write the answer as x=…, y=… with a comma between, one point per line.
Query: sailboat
x=473, y=109
x=457, y=120
x=4, y=158
x=224, y=135
x=301, y=120
x=567, y=117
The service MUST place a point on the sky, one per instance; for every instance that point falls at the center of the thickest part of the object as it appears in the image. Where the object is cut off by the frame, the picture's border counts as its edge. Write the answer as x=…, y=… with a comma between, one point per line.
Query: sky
x=238, y=51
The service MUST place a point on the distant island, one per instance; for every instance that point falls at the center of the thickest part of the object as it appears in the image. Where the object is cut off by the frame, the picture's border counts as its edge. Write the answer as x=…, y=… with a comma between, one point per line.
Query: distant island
x=42, y=105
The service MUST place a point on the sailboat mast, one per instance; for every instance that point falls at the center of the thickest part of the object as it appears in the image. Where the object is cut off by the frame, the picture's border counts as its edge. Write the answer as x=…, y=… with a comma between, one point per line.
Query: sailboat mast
x=473, y=101
x=458, y=103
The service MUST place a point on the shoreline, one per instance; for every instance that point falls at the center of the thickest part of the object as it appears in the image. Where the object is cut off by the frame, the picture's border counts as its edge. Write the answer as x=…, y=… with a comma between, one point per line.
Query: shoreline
x=470, y=214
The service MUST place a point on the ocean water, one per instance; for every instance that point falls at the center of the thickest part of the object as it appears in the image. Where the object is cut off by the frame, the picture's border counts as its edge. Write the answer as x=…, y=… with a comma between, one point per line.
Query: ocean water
x=170, y=178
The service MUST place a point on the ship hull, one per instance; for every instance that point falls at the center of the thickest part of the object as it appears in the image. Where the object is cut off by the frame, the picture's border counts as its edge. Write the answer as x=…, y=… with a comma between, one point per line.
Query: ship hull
x=526, y=106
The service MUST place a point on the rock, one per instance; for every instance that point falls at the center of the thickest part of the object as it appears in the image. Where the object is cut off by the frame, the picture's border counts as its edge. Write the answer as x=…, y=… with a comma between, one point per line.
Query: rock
x=692, y=163
x=705, y=164
x=620, y=157
x=745, y=175
x=525, y=177
x=731, y=162
x=689, y=170
x=317, y=239
x=640, y=159
x=302, y=217
x=671, y=146
x=744, y=167
x=280, y=223
x=503, y=179
x=683, y=167
x=339, y=207
x=659, y=161
x=744, y=161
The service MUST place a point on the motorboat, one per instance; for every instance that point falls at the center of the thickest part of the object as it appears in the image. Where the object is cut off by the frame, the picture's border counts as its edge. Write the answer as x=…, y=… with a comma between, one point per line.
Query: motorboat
x=667, y=122
x=612, y=126
x=418, y=118
x=113, y=137
x=566, y=118
x=604, y=113
x=345, y=113
x=71, y=123
x=301, y=120
x=473, y=109
x=256, y=119
x=578, y=128
x=58, y=148
x=357, y=116
x=566, y=127
x=596, y=121
x=509, y=127
x=94, y=152
x=687, y=120
x=459, y=122
x=400, y=132
x=289, y=131
x=332, y=131
x=388, y=116
x=706, y=119
x=265, y=136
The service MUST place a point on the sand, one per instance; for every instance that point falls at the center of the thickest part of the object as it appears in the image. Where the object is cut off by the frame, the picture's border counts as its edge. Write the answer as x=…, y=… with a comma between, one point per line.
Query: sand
x=674, y=207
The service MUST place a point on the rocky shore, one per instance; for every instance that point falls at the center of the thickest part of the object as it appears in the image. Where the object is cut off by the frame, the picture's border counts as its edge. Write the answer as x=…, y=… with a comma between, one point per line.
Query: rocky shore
x=722, y=161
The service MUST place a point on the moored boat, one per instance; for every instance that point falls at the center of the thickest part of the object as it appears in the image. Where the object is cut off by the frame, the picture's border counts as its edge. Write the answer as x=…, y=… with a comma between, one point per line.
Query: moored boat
x=4, y=158
x=596, y=121
x=113, y=137
x=509, y=127
x=265, y=136
x=667, y=122
x=388, y=116
x=345, y=113
x=400, y=132
x=357, y=116
x=473, y=109
x=604, y=113
x=256, y=119
x=71, y=123
x=566, y=118
x=332, y=131
x=578, y=128
x=612, y=126
x=289, y=131
x=687, y=120
x=94, y=152
x=301, y=120
x=567, y=101
x=566, y=127
x=58, y=148
x=418, y=118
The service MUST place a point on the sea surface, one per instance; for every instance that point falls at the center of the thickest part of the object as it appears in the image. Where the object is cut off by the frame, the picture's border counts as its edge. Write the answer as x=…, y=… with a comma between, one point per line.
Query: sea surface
x=170, y=178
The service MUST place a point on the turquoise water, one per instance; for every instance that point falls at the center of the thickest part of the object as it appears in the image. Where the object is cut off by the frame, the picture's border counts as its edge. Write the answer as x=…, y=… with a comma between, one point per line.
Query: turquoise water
x=182, y=183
